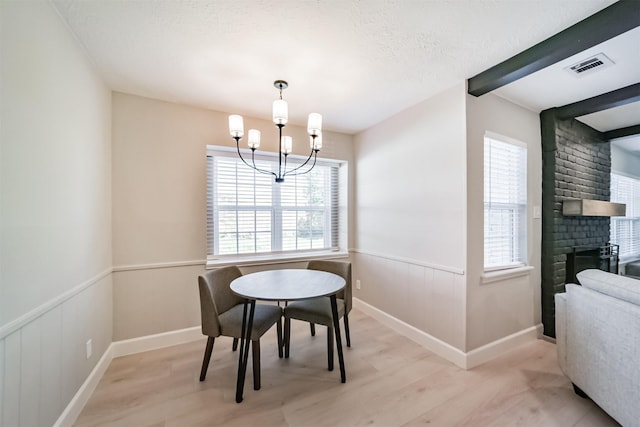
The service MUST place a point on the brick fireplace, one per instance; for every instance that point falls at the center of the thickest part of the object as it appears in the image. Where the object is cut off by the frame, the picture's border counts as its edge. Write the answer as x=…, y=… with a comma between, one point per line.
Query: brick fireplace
x=576, y=164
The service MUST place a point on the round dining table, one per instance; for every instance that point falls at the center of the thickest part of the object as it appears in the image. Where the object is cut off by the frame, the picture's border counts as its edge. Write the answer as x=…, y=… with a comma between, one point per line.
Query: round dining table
x=284, y=285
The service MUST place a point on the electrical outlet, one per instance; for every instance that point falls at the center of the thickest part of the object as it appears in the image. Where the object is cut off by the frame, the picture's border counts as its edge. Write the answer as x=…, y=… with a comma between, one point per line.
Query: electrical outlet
x=357, y=284
x=537, y=212
x=89, y=349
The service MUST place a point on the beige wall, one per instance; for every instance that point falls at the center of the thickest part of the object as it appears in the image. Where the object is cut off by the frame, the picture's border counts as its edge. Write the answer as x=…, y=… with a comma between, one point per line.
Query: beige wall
x=159, y=195
x=411, y=216
x=93, y=182
x=419, y=239
x=498, y=309
x=55, y=207
x=411, y=183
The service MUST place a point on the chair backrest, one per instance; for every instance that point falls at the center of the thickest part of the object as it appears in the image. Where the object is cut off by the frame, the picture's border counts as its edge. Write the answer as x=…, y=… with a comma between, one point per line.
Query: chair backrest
x=342, y=269
x=216, y=297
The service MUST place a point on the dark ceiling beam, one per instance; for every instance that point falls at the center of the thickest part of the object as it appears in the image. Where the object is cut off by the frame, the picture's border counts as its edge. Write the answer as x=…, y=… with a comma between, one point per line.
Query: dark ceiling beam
x=610, y=22
x=622, y=132
x=612, y=99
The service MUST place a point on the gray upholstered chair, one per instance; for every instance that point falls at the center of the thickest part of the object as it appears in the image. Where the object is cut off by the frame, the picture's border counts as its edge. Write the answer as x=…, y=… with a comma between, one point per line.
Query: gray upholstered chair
x=222, y=312
x=318, y=310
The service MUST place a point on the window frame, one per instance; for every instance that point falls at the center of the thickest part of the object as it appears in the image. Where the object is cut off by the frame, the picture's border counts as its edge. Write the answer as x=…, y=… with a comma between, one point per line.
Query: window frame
x=633, y=220
x=338, y=235
x=521, y=234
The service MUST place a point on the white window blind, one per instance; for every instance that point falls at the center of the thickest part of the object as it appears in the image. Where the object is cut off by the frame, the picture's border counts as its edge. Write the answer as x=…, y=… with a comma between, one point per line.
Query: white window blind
x=248, y=213
x=625, y=231
x=505, y=200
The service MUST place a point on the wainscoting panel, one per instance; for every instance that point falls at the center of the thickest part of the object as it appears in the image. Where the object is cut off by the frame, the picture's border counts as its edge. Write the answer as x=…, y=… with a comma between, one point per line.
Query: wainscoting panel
x=51, y=400
x=30, y=374
x=1, y=378
x=11, y=386
x=430, y=299
x=159, y=298
x=43, y=361
x=419, y=288
x=155, y=300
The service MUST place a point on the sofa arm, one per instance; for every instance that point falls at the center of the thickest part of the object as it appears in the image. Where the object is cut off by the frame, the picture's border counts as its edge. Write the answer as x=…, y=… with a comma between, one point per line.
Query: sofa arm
x=602, y=348
x=561, y=330
x=632, y=269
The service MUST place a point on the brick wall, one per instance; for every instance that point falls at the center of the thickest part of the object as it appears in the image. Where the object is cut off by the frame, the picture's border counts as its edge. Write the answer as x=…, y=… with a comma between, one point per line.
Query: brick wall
x=576, y=164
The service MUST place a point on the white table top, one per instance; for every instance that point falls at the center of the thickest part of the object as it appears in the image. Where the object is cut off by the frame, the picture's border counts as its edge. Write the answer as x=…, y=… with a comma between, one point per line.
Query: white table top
x=287, y=284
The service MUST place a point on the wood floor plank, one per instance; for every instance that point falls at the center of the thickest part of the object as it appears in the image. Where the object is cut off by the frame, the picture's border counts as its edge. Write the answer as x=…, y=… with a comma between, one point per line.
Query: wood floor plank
x=391, y=381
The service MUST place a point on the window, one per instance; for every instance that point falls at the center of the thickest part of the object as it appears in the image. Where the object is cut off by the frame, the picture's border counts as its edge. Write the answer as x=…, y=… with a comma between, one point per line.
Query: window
x=625, y=231
x=250, y=215
x=505, y=200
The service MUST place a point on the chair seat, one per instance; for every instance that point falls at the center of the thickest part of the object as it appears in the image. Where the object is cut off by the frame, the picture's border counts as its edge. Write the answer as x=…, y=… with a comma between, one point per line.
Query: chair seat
x=265, y=316
x=314, y=310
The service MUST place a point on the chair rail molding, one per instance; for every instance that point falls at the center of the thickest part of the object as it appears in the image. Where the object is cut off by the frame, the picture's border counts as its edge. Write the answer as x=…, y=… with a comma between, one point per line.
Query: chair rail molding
x=155, y=265
x=448, y=269
x=30, y=316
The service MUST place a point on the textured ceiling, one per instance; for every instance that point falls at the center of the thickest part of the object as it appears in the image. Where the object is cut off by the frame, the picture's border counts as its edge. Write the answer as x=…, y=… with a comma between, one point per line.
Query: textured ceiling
x=356, y=62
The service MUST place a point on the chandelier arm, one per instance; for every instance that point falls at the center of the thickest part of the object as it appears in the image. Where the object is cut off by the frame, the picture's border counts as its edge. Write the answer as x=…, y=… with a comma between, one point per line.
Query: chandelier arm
x=285, y=166
x=315, y=155
x=252, y=159
x=303, y=164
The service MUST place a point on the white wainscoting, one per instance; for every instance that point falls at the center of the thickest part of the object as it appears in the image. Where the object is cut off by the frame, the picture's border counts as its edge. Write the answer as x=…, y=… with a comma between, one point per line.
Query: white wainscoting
x=43, y=359
x=430, y=298
x=464, y=360
x=46, y=378
x=117, y=349
x=428, y=304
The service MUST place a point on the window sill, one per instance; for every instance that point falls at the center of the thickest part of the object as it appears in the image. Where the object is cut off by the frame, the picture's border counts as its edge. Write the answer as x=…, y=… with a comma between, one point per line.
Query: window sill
x=506, y=274
x=250, y=261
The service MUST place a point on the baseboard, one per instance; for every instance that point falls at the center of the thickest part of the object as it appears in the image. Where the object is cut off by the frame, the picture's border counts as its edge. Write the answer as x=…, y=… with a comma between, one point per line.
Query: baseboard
x=154, y=342
x=431, y=343
x=447, y=351
x=117, y=349
x=497, y=348
x=73, y=409
x=167, y=339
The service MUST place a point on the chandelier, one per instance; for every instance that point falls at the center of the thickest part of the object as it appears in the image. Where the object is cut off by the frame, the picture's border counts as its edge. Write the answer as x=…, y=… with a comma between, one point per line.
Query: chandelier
x=280, y=118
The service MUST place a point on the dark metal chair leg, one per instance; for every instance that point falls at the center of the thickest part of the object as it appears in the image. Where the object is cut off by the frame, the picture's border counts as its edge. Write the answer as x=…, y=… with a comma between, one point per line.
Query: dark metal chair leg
x=579, y=392
x=312, y=326
x=207, y=358
x=243, y=355
x=235, y=344
x=279, y=328
x=346, y=330
x=336, y=327
x=330, y=347
x=287, y=337
x=255, y=357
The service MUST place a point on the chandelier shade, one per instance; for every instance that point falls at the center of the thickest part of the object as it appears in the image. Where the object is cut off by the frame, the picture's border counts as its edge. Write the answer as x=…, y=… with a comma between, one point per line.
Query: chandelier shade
x=254, y=138
x=280, y=119
x=280, y=112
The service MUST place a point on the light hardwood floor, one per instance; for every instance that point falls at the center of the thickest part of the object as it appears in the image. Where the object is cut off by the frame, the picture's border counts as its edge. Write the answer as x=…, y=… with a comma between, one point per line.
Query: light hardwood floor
x=391, y=381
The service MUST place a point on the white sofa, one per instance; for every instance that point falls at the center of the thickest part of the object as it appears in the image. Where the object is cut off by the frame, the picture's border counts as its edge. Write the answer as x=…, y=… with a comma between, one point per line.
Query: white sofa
x=633, y=269
x=598, y=341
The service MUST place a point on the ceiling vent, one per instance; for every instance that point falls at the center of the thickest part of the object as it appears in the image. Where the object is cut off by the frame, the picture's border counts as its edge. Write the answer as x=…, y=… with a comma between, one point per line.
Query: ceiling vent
x=591, y=65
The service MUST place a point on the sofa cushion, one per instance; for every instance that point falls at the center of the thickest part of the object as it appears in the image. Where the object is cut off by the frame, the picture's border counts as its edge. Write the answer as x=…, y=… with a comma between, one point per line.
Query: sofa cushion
x=621, y=287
